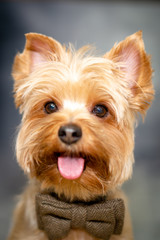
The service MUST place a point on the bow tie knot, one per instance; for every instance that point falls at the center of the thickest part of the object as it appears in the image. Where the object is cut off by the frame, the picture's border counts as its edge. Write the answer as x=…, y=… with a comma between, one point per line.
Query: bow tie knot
x=101, y=220
x=79, y=216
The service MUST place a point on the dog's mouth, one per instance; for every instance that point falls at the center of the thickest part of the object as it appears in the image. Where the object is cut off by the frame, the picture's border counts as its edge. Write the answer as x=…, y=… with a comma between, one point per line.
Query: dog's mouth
x=70, y=166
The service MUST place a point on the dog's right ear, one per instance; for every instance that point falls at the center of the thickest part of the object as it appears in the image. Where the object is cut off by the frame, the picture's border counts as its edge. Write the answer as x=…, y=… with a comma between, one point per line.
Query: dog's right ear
x=38, y=50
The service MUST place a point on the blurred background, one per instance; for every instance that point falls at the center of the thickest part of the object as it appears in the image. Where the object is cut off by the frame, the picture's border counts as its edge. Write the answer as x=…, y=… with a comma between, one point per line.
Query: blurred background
x=100, y=23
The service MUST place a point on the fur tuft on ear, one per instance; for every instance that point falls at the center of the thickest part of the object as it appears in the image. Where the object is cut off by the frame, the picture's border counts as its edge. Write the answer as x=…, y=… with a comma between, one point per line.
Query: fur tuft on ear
x=135, y=64
x=38, y=50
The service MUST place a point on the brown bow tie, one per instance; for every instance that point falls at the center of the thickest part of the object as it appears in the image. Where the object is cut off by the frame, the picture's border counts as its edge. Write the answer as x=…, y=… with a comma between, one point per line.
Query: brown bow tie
x=101, y=220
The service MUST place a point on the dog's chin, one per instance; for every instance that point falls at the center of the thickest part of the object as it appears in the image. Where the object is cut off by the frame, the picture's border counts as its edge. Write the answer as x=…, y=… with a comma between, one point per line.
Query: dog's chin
x=88, y=182
x=75, y=176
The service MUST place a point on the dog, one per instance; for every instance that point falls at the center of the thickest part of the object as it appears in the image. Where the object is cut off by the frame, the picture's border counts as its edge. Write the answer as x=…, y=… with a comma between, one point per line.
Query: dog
x=76, y=138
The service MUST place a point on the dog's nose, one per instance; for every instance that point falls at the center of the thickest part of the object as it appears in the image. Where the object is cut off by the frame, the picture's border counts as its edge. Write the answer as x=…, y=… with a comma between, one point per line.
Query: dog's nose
x=70, y=133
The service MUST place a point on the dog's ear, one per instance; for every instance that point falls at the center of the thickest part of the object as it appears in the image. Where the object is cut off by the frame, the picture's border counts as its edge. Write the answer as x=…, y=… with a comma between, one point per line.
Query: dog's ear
x=38, y=50
x=135, y=65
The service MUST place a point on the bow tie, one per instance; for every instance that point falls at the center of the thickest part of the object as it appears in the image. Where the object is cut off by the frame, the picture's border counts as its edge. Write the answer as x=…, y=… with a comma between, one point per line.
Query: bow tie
x=100, y=220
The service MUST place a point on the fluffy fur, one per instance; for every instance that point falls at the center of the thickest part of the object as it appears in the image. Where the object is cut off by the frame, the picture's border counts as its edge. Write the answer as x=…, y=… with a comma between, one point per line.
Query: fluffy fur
x=77, y=81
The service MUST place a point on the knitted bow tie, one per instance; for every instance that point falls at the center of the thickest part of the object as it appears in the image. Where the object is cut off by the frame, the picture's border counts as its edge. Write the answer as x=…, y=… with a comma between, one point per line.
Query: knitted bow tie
x=100, y=220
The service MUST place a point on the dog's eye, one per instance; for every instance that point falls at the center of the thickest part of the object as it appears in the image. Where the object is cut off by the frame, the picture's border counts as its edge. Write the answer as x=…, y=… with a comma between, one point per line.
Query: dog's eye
x=100, y=111
x=50, y=107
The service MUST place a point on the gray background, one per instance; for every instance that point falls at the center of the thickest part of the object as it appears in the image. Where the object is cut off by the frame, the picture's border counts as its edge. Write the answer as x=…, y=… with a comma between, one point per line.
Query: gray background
x=81, y=22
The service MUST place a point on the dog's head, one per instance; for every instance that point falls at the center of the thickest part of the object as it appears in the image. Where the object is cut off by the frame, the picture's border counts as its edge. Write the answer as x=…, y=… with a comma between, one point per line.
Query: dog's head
x=77, y=131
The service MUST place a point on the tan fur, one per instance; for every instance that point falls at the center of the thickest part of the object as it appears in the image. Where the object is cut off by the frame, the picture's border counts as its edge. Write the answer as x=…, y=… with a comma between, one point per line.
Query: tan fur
x=47, y=71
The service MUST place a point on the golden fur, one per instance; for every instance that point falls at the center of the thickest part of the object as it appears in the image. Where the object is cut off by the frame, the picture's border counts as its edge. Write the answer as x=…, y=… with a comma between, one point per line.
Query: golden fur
x=76, y=81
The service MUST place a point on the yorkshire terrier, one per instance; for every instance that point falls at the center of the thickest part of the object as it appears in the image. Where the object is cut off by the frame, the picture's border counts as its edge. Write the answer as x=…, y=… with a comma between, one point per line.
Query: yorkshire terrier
x=76, y=138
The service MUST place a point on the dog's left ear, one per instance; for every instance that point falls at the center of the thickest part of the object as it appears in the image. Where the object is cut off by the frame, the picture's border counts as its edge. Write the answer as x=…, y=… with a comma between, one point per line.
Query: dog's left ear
x=135, y=65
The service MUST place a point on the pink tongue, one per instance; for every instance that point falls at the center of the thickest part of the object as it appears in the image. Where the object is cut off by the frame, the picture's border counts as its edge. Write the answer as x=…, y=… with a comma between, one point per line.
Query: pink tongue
x=70, y=168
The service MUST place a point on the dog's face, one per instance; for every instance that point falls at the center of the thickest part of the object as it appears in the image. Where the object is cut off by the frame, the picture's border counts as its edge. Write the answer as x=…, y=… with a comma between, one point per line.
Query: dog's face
x=76, y=135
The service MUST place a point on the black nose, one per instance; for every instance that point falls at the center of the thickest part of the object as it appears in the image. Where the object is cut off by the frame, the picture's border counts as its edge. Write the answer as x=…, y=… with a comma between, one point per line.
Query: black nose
x=70, y=133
